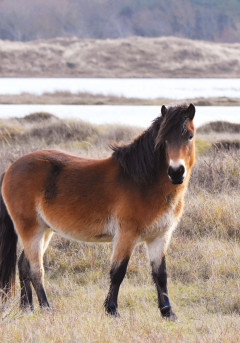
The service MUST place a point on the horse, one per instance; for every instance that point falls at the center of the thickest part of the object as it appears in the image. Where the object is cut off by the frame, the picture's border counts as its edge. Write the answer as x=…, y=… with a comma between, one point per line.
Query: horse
x=135, y=195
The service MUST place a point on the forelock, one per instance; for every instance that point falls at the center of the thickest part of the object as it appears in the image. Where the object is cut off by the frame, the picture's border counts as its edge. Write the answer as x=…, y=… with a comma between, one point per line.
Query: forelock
x=175, y=119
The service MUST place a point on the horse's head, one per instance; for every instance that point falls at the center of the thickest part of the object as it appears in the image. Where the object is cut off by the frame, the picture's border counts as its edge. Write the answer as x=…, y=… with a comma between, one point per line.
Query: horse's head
x=176, y=135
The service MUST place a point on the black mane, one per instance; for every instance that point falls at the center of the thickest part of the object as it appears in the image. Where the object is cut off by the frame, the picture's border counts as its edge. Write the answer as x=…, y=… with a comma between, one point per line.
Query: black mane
x=141, y=159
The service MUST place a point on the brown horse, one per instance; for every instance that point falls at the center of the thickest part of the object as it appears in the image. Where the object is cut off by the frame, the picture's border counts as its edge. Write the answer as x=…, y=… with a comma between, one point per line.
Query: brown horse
x=134, y=195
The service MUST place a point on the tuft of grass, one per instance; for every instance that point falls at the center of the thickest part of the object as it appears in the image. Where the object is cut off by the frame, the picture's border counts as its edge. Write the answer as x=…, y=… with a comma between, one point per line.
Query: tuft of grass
x=37, y=117
x=217, y=171
x=211, y=215
x=202, y=145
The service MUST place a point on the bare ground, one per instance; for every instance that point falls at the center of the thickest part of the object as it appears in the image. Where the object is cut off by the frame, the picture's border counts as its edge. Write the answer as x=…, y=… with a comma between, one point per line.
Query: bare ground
x=128, y=57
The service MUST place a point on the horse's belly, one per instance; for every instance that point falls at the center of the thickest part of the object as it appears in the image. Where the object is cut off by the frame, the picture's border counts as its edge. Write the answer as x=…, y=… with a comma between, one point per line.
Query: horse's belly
x=101, y=230
x=84, y=236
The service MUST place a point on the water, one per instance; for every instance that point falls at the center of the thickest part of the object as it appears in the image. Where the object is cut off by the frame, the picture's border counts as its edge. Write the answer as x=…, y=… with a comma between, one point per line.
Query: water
x=128, y=115
x=137, y=88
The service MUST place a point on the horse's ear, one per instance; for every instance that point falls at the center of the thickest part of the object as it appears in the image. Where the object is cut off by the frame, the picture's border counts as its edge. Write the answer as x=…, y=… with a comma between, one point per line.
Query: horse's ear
x=163, y=110
x=191, y=111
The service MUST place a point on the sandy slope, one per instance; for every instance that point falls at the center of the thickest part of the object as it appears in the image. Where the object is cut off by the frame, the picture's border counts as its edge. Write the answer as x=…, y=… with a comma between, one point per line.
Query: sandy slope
x=130, y=57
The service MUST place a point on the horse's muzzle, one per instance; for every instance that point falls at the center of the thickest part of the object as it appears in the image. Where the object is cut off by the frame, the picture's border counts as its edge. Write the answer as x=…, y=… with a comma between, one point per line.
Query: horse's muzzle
x=176, y=175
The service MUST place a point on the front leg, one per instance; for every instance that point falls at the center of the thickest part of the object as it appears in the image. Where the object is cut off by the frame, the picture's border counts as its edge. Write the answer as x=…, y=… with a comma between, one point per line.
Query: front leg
x=117, y=273
x=157, y=249
x=122, y=251
x=159, y=274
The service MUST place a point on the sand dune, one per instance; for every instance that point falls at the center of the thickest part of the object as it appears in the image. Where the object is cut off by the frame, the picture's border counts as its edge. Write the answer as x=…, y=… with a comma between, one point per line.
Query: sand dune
x=129, y=57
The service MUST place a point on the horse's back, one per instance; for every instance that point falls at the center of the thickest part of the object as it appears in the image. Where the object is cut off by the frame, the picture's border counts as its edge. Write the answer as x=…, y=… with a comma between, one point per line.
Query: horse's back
x=64, y=191
x=48, y=165
x=32, y=173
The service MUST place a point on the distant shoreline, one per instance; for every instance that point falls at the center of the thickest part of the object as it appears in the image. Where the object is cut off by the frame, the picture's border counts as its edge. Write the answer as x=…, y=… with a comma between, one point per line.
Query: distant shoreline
x=67, y=98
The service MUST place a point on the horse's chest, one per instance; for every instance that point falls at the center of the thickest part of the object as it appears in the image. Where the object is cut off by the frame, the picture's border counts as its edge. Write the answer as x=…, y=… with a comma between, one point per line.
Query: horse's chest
x=164, y=222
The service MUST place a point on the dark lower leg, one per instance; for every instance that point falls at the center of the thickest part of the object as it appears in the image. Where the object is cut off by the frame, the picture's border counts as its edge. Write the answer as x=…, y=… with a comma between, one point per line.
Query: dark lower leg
x=39, y=289
x=25, y=282
x=159, y=275
x=117, y=274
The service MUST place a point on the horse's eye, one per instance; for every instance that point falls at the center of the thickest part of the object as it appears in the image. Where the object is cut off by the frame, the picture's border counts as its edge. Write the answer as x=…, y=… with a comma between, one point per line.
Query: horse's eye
x=190, y=137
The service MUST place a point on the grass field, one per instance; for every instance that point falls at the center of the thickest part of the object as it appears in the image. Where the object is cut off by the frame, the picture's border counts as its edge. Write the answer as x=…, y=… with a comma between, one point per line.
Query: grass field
x=203, y=258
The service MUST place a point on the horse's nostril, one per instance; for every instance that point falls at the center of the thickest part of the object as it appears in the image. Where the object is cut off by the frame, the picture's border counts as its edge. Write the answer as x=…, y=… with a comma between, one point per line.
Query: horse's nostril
x=170, y=171
x=181, y=170
x=176, y=173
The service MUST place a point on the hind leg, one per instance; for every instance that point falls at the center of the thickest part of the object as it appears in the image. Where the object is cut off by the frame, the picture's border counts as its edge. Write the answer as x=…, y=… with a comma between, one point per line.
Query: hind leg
x=34, y=249
x=47, y=238
x=25, y=282
x=25, y=274
x=37, y=271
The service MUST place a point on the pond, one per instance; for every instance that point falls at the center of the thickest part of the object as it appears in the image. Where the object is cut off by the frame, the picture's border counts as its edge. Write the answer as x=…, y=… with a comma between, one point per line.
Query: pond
x=137, y=88
x=127, y=115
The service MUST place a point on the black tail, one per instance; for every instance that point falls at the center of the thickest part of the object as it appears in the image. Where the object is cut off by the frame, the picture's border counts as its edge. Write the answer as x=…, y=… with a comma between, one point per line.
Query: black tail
x=8, y=250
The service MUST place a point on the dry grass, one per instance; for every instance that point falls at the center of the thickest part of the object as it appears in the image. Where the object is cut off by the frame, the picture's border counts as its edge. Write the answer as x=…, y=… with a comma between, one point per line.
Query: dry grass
x=125, y=57
x=68, y=98
x=220, y=126
x=204, y=276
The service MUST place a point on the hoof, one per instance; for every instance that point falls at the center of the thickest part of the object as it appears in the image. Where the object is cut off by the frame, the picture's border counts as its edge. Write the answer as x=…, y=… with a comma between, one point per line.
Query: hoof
x=168, y=314
x=46, y=309
x=111, y=310
x=25, y=306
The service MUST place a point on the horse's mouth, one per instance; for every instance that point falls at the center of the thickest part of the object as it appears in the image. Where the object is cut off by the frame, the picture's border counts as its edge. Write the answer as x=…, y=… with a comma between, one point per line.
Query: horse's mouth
x=176, y=181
